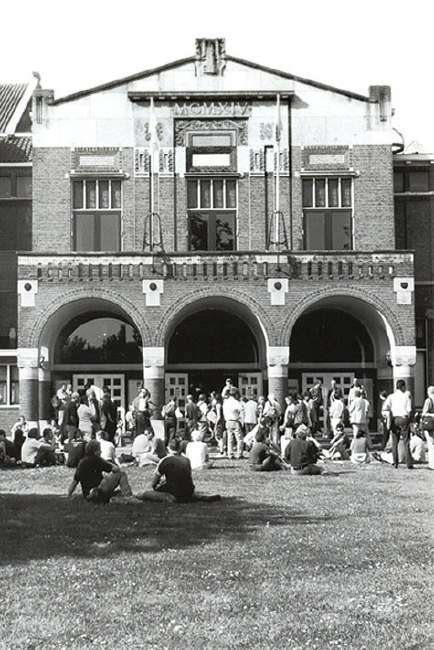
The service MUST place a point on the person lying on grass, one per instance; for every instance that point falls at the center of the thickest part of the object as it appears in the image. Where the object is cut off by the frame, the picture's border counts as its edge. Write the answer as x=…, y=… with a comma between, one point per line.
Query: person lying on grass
x=172, y=480
x=302, y=454
x=89, y=474
x=263, y=457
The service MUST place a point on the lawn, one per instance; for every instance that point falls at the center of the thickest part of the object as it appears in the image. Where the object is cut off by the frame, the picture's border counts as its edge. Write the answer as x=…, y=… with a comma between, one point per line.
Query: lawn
x=340, y=561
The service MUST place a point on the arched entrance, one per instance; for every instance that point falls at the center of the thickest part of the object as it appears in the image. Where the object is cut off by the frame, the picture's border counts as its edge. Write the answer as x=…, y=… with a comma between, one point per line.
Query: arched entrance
x=91, y=340
x=339, y=338
x=210, y=341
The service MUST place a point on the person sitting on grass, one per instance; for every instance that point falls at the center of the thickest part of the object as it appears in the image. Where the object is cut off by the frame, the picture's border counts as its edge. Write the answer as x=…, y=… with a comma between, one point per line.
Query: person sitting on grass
x=172, y=480
x=360, y=449
x=89, y=474
x=417, y=448
x=302, y=454
x=197, y=451
x=73, y=448
x=8, y=454
x=339, y=445
x=260, y=427
x=148, y=449
x=262, y=457
x=36, y=452
x=108, y=450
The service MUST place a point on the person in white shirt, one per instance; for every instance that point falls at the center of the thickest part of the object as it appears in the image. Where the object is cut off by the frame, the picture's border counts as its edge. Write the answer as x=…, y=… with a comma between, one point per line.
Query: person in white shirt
x=108, y=450
x=397, y=409
x=202, y=422
x=336, y=411
x=358, y=410
x=147, y=449
x=197, y=451
x=232, y=412
x=250, y=413
x=36, y=452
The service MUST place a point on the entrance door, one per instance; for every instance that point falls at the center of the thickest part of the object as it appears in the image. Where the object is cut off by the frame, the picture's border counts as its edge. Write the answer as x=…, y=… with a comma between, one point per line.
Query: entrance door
x=176, y=385
x=250, y=384
x=343, y=381
x=115, y=383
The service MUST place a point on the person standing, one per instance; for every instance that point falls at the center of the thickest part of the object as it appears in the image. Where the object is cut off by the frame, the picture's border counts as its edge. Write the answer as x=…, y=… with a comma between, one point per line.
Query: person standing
x=358, y=411
x=427, y=424
x=317, y=402
x=272, y=412
x=250, y=413
x=108, y=417
x=85, y=419
x=398, y=409
x=70, y=416
x=202, y=408
x=142, y=411
x=169, y=414
x=191, y=416
x=232, y=412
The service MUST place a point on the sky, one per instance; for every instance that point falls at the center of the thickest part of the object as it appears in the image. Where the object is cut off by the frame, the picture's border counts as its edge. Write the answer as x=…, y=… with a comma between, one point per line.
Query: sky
x=351, y=45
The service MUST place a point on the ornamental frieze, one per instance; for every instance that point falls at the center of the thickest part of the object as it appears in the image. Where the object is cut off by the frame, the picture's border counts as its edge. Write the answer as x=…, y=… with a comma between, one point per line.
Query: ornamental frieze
x=182, y=126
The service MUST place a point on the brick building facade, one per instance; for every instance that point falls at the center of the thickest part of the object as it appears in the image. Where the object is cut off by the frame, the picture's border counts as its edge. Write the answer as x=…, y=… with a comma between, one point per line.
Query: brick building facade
x=212, y=218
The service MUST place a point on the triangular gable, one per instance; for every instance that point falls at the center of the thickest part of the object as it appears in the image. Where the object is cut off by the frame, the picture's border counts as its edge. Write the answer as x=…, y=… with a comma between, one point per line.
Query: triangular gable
x=240, y=75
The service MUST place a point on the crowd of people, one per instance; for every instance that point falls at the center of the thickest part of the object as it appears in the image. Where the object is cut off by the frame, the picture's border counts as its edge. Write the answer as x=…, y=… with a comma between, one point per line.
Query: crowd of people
x=85, y=431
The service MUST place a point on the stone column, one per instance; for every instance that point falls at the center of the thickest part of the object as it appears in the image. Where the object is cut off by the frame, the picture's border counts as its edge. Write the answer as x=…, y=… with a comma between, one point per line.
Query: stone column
x=153, y=375
x=403, y=361
x=28, y=371
x=44, y=392
x=277, y=365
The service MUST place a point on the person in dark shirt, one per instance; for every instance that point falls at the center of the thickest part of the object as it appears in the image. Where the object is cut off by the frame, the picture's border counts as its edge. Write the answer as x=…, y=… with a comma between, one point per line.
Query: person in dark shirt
x=74, y=448
x=302, y=454
x=172, y=480
x=262, y=457
x=89, y=474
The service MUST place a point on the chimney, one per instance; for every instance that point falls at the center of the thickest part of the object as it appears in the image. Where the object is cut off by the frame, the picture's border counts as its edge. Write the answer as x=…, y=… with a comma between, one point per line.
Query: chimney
x=41, y=99
x=382, y=96
x=210, y=56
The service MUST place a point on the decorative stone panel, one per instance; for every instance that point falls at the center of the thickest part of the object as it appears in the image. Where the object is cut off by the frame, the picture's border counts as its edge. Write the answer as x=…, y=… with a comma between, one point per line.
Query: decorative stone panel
x=326, y=158
x=238, y=125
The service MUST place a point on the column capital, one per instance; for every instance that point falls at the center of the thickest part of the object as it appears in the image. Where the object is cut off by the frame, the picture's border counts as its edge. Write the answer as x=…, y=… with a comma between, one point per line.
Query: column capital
x=277, y=355
x=153, y=363
x=403, y=355
x=28, y=357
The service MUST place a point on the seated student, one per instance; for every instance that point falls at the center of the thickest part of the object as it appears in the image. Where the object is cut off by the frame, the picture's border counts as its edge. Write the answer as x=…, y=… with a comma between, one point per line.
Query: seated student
x=108, y=450
x=250, y=438
x=302, y=454
x=360, y=449
x=339, y=445
x=148, y=449
x=18, y=441
x=8, y=455
x=73, y=448
x=89, y=474
x=262, y=457
x=172, y=480
x=36, y=452
x=197, y=451
x=417, y=448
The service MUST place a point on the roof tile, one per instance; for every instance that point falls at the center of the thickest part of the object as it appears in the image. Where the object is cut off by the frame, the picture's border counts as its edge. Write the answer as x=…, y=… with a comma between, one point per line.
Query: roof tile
x=15, y=149
x=10, y=97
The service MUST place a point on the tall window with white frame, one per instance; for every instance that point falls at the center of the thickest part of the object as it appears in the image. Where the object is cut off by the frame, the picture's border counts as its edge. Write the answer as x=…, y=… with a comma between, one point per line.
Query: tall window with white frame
x=97, y=211
x=328, y=213
x=212, y=210
x=9, y=386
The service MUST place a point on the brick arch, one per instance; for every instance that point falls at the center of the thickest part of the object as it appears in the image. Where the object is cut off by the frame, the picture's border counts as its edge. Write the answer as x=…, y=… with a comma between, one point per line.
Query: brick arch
x=316, y=296
x=78, y=294
x=176, y=310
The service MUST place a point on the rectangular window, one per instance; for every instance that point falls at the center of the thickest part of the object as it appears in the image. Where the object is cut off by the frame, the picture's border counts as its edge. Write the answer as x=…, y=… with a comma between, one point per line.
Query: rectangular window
x=5, y=187
x=97, y=215
x=24, y=187
x=211, y=151
x=211, y=204
x=327, y=203
x=418, y=181
x=9, y=387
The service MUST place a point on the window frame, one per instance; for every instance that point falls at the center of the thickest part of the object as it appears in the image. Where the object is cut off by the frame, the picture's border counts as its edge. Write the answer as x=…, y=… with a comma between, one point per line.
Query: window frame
x=328, y=209
x=13, y=175
x=9, y=382
x=212, y=211
x=97, y=212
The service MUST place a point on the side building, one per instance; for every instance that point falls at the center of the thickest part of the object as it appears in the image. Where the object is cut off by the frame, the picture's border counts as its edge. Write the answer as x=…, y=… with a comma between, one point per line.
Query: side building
x=15, y=229
x=209, y=218
x=414, y=216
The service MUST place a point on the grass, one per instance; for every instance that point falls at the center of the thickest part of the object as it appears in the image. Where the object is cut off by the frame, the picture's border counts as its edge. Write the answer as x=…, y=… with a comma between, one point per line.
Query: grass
x=282, y=562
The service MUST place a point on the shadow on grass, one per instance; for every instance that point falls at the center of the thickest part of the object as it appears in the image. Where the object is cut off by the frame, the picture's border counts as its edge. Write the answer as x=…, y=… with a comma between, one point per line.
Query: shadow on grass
x=50, y=526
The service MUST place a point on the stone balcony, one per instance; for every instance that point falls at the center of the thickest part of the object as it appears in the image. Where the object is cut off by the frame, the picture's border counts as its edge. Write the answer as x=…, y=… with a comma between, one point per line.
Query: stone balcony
x=237, y=266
